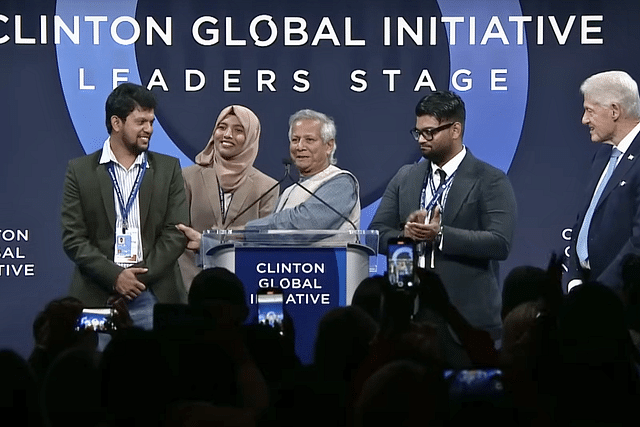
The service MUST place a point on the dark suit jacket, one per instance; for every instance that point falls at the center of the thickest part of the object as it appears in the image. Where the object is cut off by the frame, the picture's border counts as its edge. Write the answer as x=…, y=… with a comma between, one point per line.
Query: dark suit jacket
x=478, y=223
x=203, y=200
x=615, y=227
x=88, y=221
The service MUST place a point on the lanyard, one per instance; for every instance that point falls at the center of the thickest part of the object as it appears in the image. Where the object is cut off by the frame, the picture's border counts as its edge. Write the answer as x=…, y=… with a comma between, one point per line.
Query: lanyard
x=223, y=209
x=124, y=209
x=437, y=194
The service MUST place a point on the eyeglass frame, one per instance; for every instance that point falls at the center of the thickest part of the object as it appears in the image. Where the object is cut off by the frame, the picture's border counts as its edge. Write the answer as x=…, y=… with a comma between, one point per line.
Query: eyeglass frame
x=428, y=134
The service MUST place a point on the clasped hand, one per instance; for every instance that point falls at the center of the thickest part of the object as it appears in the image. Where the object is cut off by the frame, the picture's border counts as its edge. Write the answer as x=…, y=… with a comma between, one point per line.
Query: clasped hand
x=127, y=283
x=419, y=229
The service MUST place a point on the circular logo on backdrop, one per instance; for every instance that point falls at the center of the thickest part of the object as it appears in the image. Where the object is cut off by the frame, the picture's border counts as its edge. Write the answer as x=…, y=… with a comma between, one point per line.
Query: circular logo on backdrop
x=365, y=68
x=331, y=59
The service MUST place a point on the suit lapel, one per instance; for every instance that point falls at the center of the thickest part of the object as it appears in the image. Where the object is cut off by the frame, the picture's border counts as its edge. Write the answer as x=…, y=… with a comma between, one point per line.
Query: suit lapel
x=597, y=167
x=239, y=199
x=106, y=192
x=414, y=191
x=463, y=182
x=146, y=193
x=617, y=178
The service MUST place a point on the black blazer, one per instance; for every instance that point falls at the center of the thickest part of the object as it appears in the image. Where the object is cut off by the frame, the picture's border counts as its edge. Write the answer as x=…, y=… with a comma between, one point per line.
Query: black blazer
x=478, y=222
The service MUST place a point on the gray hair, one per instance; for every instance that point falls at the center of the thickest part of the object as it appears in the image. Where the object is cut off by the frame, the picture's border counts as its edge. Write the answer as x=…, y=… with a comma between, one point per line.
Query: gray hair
x=612, y=87
x=327, y=128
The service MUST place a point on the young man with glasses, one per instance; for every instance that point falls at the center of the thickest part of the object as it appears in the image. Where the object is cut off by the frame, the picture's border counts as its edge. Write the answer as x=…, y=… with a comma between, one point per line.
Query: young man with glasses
x=460, y=210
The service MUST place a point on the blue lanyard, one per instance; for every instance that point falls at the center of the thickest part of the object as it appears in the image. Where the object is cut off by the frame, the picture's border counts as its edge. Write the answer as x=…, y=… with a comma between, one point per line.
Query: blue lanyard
x=437, y=194
x=124, y=209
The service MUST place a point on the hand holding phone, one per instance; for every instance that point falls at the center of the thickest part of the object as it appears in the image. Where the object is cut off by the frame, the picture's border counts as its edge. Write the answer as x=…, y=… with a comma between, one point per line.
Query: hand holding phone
x=96, y=319
x=401, y=263
x=271, y=308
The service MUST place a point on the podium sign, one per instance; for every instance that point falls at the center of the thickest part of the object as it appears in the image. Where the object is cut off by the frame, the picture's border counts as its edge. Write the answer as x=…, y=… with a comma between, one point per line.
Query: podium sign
x=313, y=281
x=317, y=270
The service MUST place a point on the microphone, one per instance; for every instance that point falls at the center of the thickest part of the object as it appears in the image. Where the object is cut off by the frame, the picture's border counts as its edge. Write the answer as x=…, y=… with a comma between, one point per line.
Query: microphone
x=322, y=201
x=287, y=165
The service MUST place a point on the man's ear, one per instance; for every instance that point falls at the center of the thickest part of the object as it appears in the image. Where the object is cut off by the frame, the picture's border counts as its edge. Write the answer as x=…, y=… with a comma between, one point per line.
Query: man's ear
x=457, y=129
x=330, y=145
x=116, y=123
x=615, y=111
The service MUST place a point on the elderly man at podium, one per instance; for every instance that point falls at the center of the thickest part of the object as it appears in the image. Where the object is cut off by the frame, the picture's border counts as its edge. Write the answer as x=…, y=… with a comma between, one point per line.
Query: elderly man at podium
x=325, y=198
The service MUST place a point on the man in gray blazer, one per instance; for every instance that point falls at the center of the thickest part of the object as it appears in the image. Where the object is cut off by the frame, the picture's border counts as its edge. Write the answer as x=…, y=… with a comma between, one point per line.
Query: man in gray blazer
x=120, y=208
x=461, y=210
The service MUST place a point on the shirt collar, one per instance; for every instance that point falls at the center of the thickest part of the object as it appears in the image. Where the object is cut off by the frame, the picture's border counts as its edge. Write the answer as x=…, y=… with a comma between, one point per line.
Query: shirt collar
x=452, y=165
x=627, y=140
x=108, y=156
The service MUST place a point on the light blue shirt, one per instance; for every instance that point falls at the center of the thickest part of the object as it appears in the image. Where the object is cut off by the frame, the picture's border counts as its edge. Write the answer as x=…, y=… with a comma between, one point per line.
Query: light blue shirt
x=339, y=192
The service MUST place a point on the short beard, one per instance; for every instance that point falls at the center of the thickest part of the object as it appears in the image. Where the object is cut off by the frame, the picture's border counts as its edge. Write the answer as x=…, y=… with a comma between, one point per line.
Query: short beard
x=137, y=149
x=433, y=158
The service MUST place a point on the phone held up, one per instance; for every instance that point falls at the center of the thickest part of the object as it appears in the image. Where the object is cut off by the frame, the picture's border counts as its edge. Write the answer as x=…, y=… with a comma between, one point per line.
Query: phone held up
x=399, y=302
x=401, y=263
x=270, y=303
x=96, y=319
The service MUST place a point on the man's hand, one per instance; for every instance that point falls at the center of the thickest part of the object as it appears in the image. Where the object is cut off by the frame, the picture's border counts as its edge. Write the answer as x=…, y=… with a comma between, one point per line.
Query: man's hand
x=416, y=229
x=127, y=283
x=192, y=235
x=121, y=317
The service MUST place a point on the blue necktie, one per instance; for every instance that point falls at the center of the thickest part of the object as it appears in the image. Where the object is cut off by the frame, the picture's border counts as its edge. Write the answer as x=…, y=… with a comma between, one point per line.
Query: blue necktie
x=583, y=235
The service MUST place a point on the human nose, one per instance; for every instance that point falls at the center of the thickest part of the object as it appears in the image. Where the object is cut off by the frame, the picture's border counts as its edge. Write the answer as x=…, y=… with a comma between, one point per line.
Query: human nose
x=585, y=119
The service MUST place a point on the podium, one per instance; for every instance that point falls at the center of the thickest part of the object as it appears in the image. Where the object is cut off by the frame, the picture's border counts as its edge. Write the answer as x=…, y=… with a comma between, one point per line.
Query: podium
x=317, y=270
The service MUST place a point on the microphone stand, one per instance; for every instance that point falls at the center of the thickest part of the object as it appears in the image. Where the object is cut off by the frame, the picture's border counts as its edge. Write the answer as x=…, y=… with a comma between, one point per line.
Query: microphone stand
x=324, y=203
x=287, y=174
x=287, y=166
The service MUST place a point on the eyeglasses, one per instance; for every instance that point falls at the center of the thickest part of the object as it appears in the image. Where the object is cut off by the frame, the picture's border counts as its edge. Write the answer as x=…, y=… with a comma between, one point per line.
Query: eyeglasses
x=428, y=133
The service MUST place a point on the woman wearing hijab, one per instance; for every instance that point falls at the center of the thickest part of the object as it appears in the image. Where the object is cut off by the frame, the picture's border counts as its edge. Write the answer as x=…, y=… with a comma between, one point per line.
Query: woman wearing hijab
x=223, y=182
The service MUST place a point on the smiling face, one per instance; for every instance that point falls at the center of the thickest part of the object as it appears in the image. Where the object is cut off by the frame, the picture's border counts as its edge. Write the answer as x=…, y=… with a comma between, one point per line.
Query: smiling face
x=309, y=153
x=445, y=143
x=229, y=137
x=134, y=133
x=600, y=120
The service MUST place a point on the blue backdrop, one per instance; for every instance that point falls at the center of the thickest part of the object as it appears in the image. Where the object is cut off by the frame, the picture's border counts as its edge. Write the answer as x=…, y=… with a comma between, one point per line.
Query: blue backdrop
x=517, y=65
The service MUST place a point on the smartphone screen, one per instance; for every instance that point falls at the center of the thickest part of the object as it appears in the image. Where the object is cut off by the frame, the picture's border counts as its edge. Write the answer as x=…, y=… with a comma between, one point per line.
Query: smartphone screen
x=270, y=308
x=401, y=263
x=474, y=383
x=95, y=319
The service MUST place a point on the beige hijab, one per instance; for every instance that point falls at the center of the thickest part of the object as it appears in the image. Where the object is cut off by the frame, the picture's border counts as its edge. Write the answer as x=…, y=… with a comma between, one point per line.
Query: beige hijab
x=232, y=172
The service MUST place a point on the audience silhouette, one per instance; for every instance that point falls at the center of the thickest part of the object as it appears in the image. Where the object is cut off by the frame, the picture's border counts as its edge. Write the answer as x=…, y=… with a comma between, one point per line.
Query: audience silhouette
x=390, y=358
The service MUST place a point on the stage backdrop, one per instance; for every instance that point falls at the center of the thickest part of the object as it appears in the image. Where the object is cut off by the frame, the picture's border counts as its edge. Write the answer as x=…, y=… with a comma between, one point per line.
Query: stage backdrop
x=517, y=65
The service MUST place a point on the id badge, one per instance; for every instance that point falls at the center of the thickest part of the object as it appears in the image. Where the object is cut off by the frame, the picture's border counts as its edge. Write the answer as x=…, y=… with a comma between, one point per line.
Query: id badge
x=126, y=250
